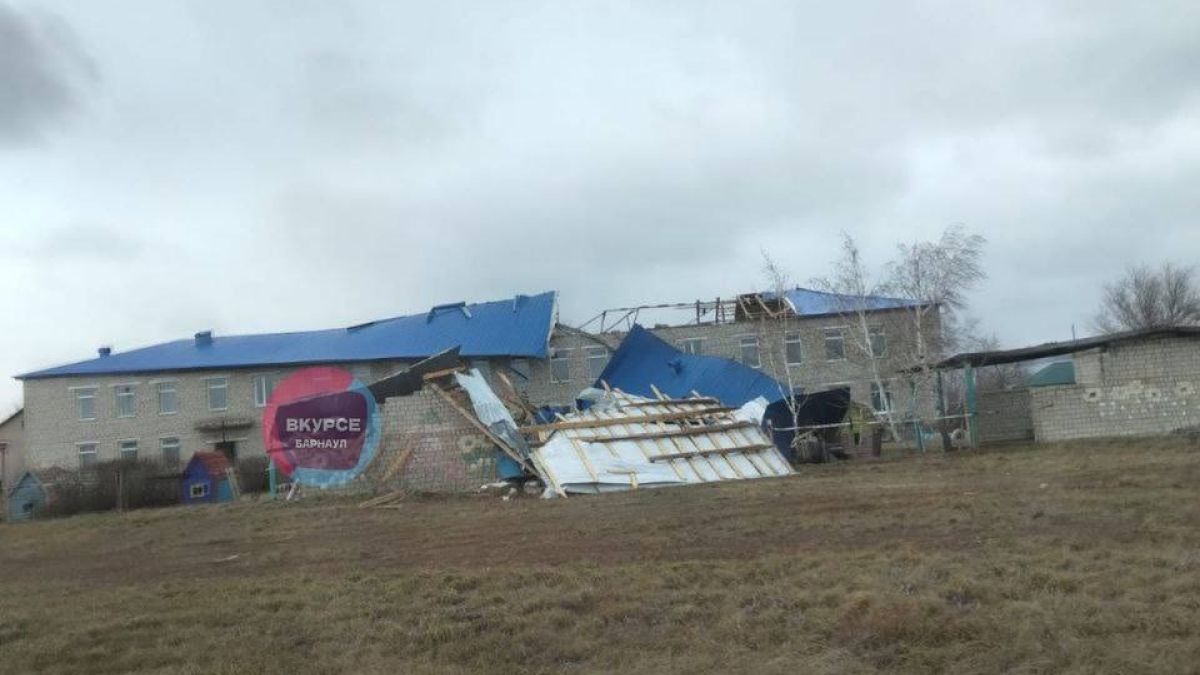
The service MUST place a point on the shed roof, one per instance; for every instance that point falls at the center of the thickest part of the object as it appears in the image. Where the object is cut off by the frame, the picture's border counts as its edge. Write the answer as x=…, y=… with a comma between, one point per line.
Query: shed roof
x=1052, y=349
x=215, y=464
x=518, y=326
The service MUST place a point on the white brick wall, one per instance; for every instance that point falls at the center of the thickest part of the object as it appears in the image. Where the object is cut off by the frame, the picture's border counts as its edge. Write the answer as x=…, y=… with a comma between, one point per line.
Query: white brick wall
x=1135, y=389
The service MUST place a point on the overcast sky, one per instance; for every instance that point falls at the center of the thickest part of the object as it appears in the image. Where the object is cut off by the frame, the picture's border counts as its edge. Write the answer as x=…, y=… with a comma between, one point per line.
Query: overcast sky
x=172, y=166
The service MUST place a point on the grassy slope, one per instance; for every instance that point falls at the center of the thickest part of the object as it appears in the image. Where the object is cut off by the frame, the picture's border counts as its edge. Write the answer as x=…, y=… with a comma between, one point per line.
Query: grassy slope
x=1081, y=558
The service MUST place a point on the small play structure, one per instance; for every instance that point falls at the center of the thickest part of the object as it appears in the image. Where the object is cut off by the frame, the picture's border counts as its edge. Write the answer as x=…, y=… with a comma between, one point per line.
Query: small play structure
x=208, y=479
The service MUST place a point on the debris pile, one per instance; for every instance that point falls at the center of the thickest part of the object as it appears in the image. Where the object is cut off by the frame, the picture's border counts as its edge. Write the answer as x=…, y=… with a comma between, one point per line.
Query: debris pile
x=624, y=442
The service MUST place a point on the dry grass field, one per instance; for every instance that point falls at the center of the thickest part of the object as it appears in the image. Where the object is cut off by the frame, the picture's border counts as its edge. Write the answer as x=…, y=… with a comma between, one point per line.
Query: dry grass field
x=1081, y=558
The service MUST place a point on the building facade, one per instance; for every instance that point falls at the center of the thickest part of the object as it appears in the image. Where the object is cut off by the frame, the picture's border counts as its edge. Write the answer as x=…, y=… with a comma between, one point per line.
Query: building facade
x=165, y=402
x=168, y=401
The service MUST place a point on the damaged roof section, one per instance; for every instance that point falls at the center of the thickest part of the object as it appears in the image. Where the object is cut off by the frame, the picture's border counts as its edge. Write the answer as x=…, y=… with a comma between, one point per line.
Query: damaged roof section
x=627, y=442
x=645, y=364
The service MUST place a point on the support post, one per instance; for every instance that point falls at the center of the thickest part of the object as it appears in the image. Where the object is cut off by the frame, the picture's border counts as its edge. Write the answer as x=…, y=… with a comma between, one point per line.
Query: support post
x=972, y=405
x=272, y=477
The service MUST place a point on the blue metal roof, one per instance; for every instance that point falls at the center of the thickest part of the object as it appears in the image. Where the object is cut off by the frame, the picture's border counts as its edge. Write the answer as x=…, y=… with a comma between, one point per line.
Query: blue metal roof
x=808, y=302
x=518, y=327
x=644, y=359
x=1058, y=373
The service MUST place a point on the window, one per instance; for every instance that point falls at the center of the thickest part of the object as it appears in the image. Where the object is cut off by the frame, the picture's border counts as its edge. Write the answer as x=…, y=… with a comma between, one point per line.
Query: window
x=126, y=400
x=878, y=342
x=169, y=447
x=749, y=350
x=793, y=349
x=835, y=344
x=198, y=490
x=881, y=400
x=597, y=358
x=264, y=385
x=218, y=393
x=560, y=365
x=128, y=451
x=88, y=455
x=693, y=345
x=85, y=403
x=168, y=398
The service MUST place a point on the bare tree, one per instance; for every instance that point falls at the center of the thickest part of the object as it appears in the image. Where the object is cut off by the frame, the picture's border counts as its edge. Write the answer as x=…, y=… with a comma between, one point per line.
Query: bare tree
x=854, y=287
x=1150, y=298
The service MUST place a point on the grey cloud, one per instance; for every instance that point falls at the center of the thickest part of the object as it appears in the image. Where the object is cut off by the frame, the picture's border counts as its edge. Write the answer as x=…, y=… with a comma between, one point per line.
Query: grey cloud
x=42, y=66
x=93, y=243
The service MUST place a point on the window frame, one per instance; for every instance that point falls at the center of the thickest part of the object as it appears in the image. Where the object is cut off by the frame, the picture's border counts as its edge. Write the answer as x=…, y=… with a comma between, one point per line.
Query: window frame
x=162, y=447
x=94, y=453
x=561, y=355
x=91, y=394
x=593, y=354
x=879, y=395
x=125, y=390
x=790, y=339
x=743, y=344
x=173, y=385
x=683, y=345
x=272, y=378
x=121, y=451
x=203, y=492
x=882, y=333
x=827, y=334
x=208, y=391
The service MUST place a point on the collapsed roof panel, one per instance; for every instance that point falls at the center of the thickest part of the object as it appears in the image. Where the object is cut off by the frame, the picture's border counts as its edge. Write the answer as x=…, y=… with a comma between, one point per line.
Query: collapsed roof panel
x=644, y=363
x=630, y=442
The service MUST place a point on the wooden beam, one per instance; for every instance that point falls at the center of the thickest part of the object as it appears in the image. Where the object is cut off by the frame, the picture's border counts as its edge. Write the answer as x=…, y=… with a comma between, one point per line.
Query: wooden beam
x=671, y=401
x=714, y=451
x=660, y=417
x=438, y=374
x=687, y=431
x=499, y=442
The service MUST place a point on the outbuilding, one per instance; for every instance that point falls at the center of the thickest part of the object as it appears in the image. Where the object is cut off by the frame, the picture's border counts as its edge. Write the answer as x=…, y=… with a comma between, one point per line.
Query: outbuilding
x=27, y=497
x=207, y=479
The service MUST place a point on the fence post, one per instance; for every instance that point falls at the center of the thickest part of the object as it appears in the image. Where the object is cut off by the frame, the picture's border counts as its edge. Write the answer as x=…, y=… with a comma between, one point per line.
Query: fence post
x=972, y=406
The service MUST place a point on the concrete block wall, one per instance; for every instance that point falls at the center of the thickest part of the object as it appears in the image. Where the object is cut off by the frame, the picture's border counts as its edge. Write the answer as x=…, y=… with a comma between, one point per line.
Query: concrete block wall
x=1005, y=416
x=1134, y=389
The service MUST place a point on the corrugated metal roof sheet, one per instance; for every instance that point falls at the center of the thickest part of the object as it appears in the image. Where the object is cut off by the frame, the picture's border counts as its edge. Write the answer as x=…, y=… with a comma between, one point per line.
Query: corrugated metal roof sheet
x=701, y=444
x=809, y=302
x=644, y=360
x=517, y=327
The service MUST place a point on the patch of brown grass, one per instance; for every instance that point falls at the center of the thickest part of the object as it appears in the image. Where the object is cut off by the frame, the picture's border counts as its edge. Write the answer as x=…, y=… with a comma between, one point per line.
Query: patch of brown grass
x=1075, y=558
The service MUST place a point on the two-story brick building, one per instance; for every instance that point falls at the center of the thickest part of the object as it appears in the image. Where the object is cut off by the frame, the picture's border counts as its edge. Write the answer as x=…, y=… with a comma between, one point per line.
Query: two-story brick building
x=168, y=400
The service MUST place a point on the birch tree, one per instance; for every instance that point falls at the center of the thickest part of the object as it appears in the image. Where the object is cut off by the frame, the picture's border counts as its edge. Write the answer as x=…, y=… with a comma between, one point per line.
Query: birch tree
x=854, y=287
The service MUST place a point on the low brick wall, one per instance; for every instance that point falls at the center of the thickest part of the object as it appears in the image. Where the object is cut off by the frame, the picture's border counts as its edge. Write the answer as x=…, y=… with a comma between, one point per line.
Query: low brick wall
x=1139, y=389
x=1005, y=416
x=447, y=453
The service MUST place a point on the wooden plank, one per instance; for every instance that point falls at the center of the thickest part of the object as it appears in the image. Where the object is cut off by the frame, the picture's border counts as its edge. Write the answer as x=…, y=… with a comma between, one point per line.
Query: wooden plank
x=474, y=421
x=714, y=451
x=438, y=374
x=667, y=433
x=660, y=417
x=397, y=464
x=705, y=400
